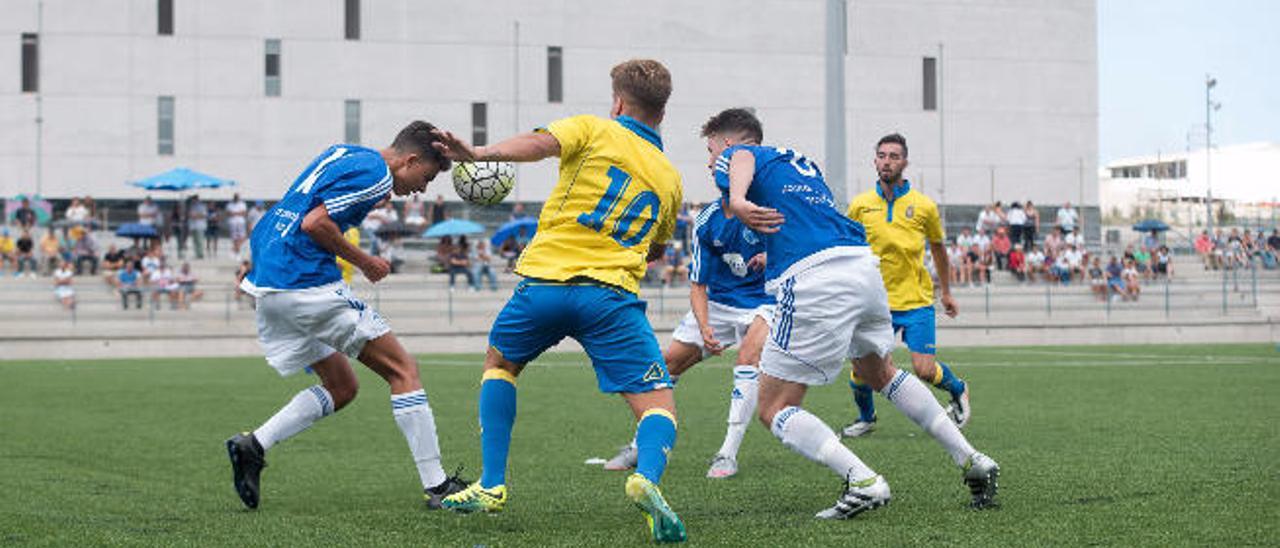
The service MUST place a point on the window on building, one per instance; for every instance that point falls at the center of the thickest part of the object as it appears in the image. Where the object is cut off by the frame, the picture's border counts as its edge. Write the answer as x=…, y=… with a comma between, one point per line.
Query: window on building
x=30, y=62
x=273, y=67
x=352, y=121
x=164, y=17
x=164, y=124
x=555, y=74
x=479, y=123
x=930, y=83
x=352, y=18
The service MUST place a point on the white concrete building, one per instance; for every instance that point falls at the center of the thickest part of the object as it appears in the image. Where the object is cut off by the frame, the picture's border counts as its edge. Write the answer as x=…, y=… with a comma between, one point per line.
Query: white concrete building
x=1245, y=180
x=252, y=89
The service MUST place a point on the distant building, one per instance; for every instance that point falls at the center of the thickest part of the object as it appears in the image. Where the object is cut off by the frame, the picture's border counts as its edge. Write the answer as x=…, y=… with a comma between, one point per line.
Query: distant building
x=1245, y=181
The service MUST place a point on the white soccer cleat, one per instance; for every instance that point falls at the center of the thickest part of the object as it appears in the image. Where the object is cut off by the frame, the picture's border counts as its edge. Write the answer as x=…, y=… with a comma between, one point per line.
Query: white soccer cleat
x=959, y=409
x=722, y=466
x=981, y=474
x=857, y=429
x=626, y=459
x=858, y=497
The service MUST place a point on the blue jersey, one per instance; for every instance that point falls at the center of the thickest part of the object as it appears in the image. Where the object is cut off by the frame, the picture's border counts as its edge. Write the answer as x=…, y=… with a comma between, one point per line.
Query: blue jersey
x=721, y=249
x=348, y=180
x=814, y=230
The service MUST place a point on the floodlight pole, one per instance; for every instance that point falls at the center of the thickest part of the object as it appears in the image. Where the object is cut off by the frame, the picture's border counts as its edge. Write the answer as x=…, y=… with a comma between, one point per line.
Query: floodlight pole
x=837, y=23
x=1209, y=82
x=39, y=101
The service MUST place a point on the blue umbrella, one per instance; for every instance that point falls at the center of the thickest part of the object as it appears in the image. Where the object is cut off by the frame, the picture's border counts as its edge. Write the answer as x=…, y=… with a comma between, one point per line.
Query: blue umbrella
x=452, y=227
x=1148, y=225
x=182, y=179
x=512, y=228
x=137, y=230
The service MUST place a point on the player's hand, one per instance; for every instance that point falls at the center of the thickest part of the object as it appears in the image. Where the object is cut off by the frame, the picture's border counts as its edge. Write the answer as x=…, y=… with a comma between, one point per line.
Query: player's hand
x=760, y=219
x=758, y=262
x=710, y=342
x=949, y=305
x=376, y=268
x=452, y=147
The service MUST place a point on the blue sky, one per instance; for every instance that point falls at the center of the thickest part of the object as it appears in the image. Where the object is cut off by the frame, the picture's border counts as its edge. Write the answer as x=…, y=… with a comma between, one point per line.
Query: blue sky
x=1152, y=59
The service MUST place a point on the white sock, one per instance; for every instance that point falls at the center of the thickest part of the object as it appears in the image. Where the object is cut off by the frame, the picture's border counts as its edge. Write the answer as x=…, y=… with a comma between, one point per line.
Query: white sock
x=307, y=407
x=915, y=401
x=806, y=434
x=418, y=424
x=742, y=406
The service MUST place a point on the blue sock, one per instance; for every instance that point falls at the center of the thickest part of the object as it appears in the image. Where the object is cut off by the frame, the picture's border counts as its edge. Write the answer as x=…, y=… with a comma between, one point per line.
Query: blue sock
x=497, y=416
x=948, y=381
x=862, y=397
x=655, y=437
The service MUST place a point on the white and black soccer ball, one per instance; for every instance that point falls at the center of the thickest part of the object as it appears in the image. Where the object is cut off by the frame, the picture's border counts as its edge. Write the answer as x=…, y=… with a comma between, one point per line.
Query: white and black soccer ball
x=483, y=183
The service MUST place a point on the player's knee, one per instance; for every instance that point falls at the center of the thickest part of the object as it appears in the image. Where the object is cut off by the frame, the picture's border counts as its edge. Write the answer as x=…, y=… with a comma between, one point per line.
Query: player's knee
x=924, y=367
x=343, y=392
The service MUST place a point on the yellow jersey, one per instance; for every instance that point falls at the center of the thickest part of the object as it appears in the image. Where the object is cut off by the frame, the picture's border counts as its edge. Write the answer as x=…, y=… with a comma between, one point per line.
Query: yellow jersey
x=348, y=270
x=897, y=230
x=617, y=195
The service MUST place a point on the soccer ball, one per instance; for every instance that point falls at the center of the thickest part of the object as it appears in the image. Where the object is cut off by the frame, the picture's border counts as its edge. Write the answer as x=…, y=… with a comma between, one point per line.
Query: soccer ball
x=483, y=183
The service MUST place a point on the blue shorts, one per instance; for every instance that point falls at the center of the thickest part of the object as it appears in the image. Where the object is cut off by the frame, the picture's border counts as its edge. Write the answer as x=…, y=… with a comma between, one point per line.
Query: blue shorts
x=918, y=328
x=610, y=323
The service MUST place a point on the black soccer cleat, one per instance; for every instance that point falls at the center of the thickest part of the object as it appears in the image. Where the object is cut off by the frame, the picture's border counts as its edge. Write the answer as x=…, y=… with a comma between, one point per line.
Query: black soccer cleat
x=452, y=484
x=981, y=474
x=247, y=461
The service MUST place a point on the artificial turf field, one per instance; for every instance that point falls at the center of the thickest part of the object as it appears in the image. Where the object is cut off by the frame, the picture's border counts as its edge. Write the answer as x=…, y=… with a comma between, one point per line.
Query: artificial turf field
x=1135, y=445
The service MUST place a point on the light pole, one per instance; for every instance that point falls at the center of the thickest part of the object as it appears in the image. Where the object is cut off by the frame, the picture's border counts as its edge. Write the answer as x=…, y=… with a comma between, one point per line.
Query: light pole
x=1209, y=107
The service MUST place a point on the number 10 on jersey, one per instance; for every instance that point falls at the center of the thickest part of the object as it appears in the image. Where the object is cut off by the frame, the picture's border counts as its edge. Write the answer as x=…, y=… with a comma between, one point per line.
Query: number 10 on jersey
x=643, y=206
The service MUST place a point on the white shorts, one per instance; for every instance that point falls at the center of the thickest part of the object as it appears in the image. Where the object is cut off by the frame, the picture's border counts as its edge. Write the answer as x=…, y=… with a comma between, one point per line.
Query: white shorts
x=729, y=323
x=237, y=228
x=835, y=310
x=299, y=328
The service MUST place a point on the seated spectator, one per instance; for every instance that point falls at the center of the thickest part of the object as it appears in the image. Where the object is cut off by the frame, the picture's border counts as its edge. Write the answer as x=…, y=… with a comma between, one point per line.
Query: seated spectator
x=444, y=250
x=1142, y=261
x=112, y=262
x=1273, y=243
x=77, y=214
x=86, y=251
x=187, y=290
x=128, y=282
x=1076, y=261
x=8, y=251
x=1000, y=246
x=460, y=263
x=163, y=282
x=1074, y=239
x=1061, y=269
x=983, y=241
x=62, y=278
x=482, y=265
x=1131, y=281
x=415, y=215
x=1204, y=248
x=1054, y=242
x=965, y=239
x=956, y=255
x=1036, y=265
x=674, y=268
x=1018, y=262
x=510, y=250
x=977, y=265
x=1115, y=278
x=1097, y=279
x=51, y=249
x=25, y=255
x=1163, y=262
x=25, y=216
x=150, y=262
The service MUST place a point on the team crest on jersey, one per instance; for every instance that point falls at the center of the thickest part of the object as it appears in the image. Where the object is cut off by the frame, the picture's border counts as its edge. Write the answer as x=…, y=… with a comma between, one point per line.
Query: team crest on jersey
x=910, y=212
x=655, y=373
x=750, y=236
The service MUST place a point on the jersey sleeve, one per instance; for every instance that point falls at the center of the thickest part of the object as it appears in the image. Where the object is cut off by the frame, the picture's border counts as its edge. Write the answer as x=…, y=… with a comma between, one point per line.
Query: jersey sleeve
x=721, y=169
x=667, y=225
x=573, y=133
x=701, y=254
x=350, y=187
x=933, y=231
x=855, y=209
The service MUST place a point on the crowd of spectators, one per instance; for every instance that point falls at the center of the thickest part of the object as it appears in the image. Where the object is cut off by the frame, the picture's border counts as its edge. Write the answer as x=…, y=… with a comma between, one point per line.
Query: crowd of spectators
x=1238, y=249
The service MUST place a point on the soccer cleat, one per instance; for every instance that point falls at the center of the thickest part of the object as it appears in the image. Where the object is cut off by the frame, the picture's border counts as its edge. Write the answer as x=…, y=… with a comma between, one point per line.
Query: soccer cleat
x=626, y=458
x=247, y=461
x=980, y=474
x=663, y=522
x=858, y=497
x=860, y=428
x=958, y=409
x=722, y=466
x=477, y=499
x=435, y=495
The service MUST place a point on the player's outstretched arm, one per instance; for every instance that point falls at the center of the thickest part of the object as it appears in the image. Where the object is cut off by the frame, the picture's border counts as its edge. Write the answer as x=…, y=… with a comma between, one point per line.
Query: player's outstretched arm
x=526, y=147
x=325, y=232
x=742, y=169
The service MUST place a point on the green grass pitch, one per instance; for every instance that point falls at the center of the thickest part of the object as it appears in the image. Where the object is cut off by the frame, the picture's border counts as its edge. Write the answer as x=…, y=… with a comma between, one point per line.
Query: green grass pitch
x=1124, y=446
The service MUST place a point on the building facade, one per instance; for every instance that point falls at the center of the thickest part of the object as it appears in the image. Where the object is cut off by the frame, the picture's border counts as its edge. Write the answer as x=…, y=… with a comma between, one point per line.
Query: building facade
x=998, y=100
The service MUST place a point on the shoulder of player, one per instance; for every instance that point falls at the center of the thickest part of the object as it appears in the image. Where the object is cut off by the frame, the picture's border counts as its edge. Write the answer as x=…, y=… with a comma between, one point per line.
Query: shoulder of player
x=919, y=199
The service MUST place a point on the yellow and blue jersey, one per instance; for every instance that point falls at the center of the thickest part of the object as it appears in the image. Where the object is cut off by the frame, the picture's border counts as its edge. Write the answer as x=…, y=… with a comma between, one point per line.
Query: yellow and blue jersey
x=897, y=228
x=617, y=195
